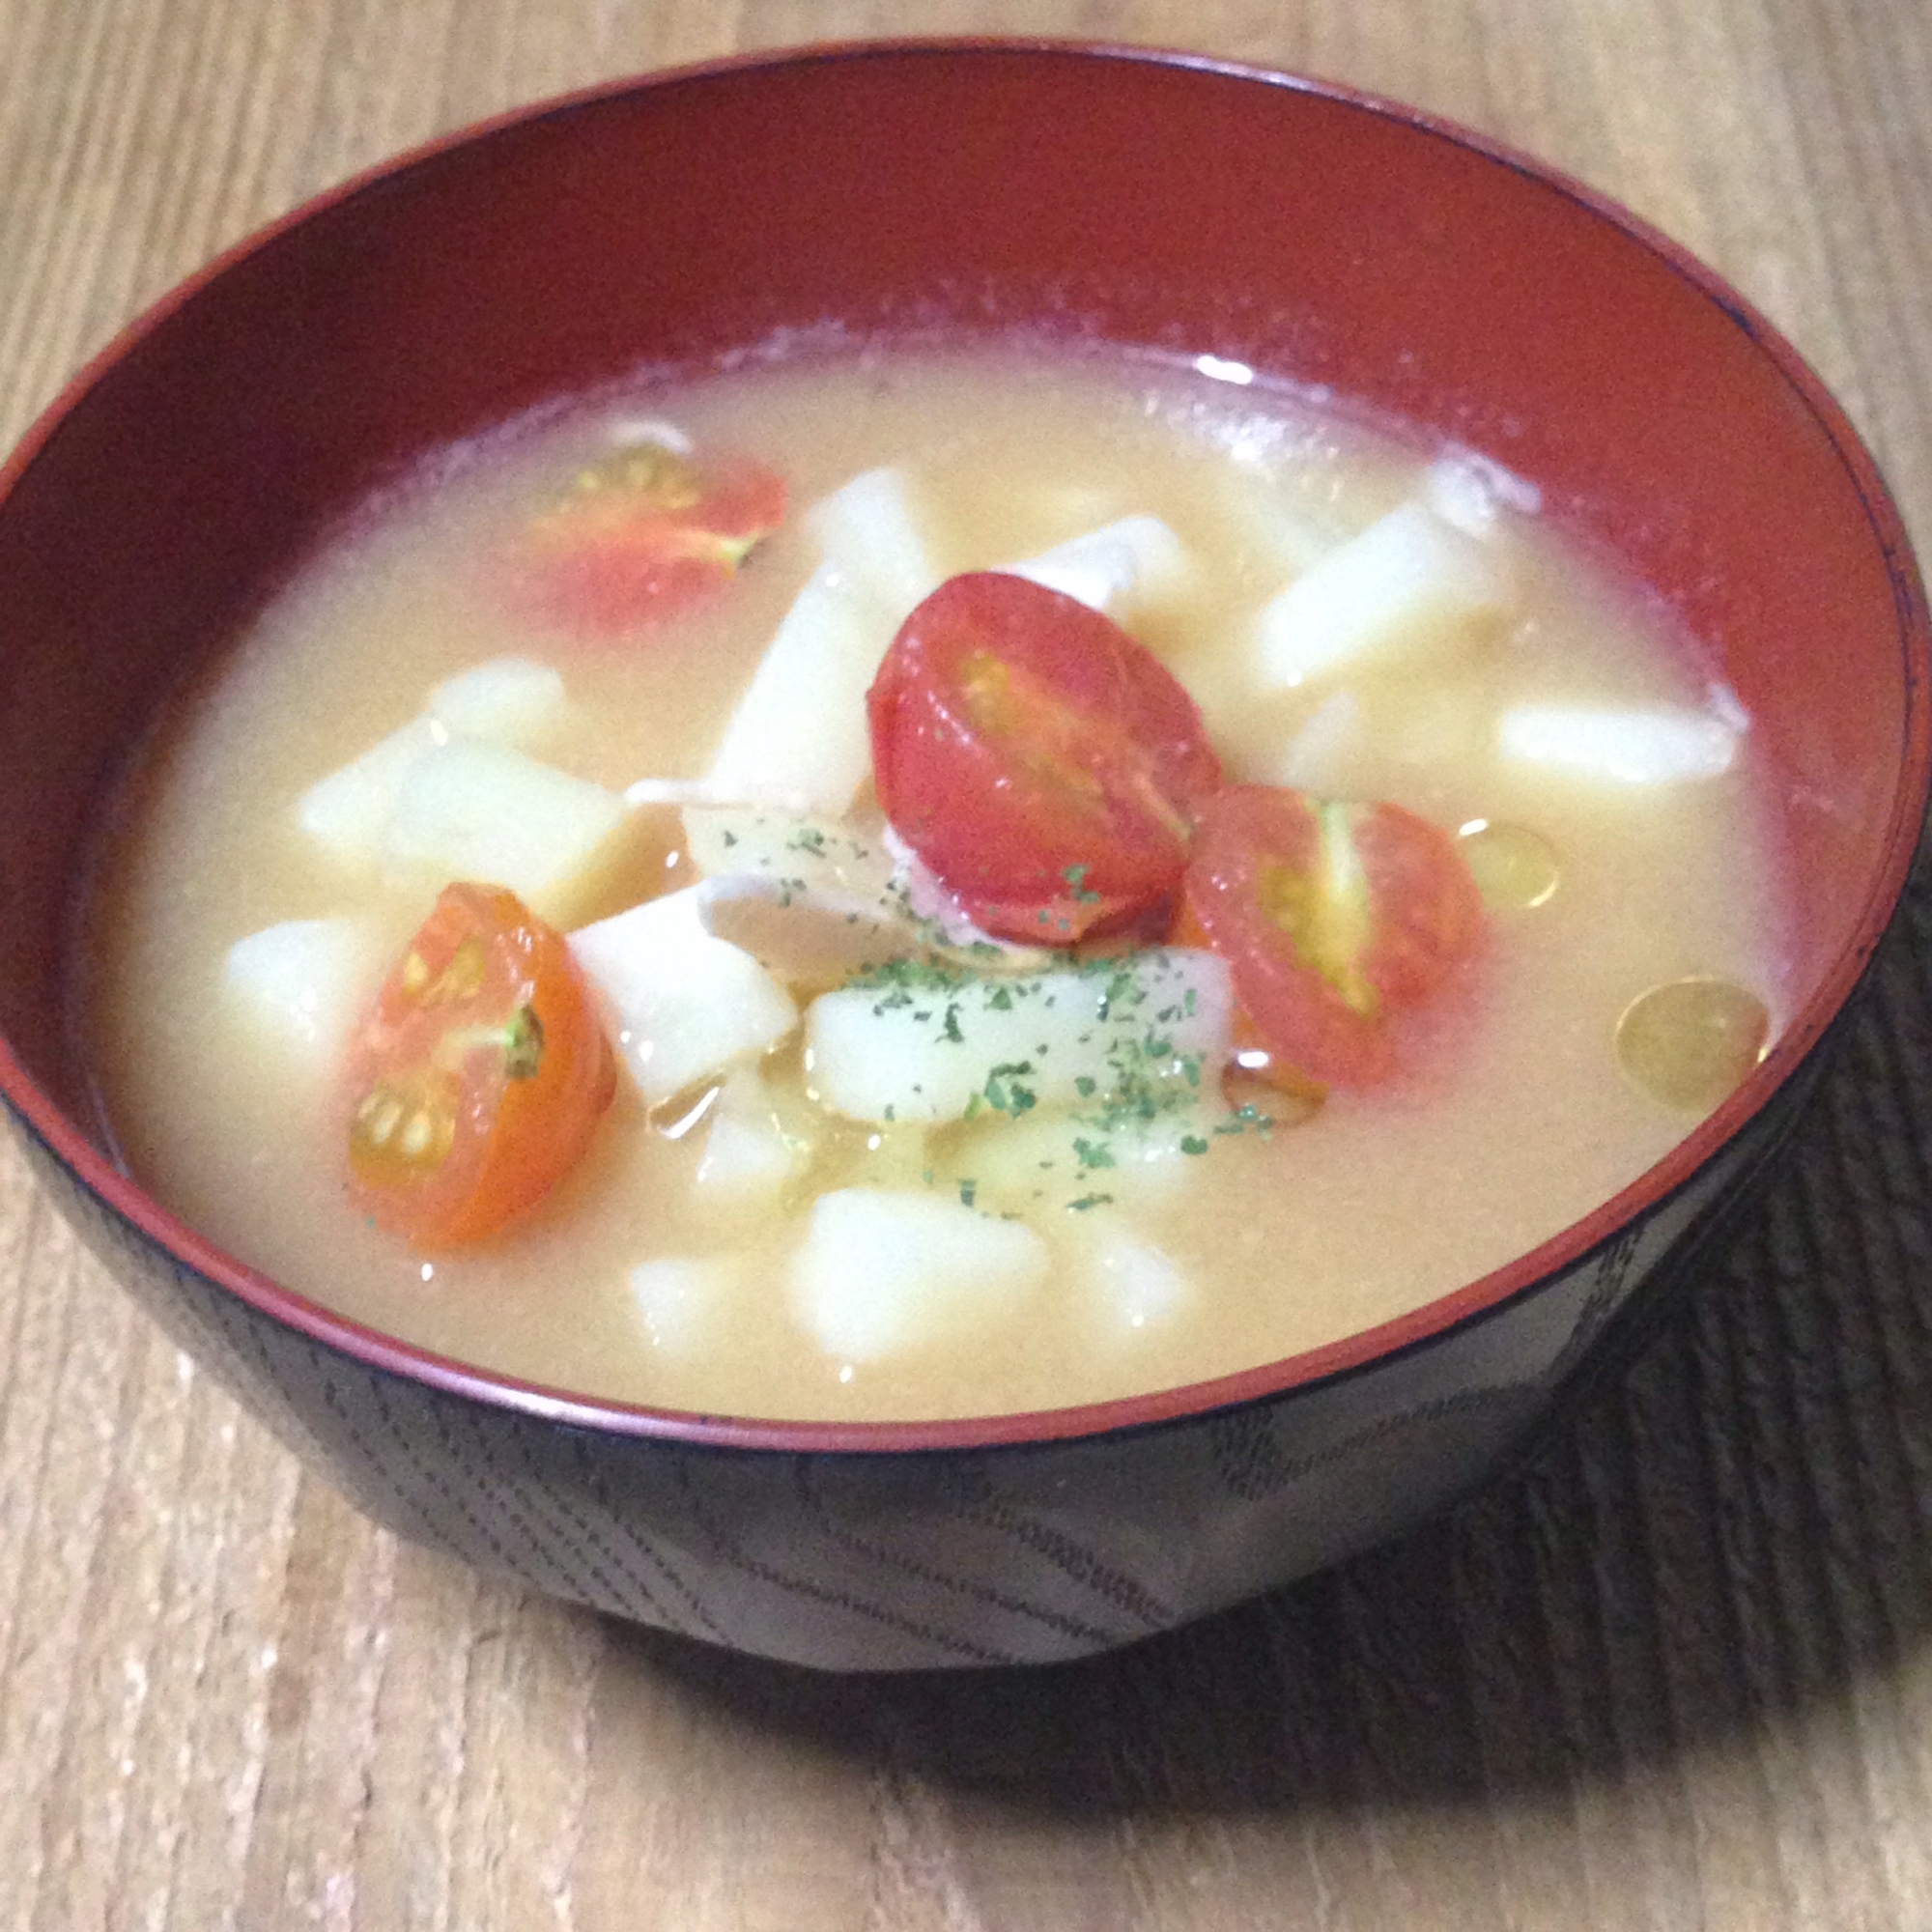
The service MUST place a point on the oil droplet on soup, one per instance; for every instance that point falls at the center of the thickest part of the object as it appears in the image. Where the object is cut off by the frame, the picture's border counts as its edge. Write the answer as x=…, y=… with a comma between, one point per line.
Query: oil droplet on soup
x=1513, y=864
x=1690, y=1044
x=806, y=1228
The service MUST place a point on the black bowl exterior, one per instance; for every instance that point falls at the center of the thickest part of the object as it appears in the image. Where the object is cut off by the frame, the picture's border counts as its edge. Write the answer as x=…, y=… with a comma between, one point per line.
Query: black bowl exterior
x=1022, y=1553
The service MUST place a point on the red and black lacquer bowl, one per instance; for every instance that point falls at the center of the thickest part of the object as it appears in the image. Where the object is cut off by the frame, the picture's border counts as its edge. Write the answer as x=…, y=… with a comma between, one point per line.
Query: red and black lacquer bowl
x=1148, y=199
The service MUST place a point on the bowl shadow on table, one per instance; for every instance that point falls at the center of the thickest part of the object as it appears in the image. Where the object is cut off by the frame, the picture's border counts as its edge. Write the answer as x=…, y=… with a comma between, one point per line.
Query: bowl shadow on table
x=1724, y=1539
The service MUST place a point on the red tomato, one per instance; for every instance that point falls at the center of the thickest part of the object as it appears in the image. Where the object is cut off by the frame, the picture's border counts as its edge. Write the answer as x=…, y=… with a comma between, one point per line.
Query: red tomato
x=478, y=1079
x=1045, y=766
x=1329, y=916
x=643, y=538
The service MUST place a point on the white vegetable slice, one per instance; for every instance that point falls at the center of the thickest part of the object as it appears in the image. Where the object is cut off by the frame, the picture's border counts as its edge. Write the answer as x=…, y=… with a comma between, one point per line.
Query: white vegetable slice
x=348, y=811
x=469, y=809
x=688, y=1004
x=1135, y=1287
x=816, y=902
x=882, y=1272
x=748, y=1155
x=1324, y=755
x=1410, y=581
x=1471, y=492
x=302, y=986
x=799, y=731
x=792, y=851
x=507, y=701
x=805, y=896
x=1641, y=746
x=1069, y=1163
x=945, y=1046
x=683, y=1301
x=1117, y=564
x=812, y=944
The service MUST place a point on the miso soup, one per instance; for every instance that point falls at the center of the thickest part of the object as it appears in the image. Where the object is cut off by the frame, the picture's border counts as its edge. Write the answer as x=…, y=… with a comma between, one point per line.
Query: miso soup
x=864, y=1157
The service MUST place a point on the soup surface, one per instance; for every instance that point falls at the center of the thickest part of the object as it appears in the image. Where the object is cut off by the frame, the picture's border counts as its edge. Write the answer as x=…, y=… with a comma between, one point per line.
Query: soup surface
x=743, y=1245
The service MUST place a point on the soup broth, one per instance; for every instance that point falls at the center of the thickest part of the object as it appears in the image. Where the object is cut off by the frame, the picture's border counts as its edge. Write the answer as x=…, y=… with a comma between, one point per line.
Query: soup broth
x=1239, y=1227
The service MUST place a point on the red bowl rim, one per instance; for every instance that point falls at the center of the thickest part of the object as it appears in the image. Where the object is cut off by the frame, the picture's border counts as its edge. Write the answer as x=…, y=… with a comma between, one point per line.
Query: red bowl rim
x=48, y=1125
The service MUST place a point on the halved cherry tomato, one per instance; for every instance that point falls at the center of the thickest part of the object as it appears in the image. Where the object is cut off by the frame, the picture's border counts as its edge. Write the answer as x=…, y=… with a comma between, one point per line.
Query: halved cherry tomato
x=1045, y=766
x=476, y=1082
x=645, y=537
x=1330, y=916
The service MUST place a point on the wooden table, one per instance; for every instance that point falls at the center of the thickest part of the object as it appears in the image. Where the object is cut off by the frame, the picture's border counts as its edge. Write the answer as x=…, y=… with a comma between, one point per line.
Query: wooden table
x=1679, y=1675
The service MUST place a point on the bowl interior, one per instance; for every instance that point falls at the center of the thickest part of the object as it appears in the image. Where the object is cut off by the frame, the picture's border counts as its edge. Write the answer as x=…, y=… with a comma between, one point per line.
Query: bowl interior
x=1152, y=201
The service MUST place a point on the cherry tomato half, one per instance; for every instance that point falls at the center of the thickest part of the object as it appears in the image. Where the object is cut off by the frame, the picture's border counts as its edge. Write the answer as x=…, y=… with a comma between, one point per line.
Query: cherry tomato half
x=1330, y=916
x=1045, y=766
x=478, y=1079
x=641, y=538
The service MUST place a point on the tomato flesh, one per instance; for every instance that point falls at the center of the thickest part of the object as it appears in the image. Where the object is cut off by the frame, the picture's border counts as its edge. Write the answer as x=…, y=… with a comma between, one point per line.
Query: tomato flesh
x=476, y=1083
x=643, y=538
x=1045, y=766
x=1330, y=916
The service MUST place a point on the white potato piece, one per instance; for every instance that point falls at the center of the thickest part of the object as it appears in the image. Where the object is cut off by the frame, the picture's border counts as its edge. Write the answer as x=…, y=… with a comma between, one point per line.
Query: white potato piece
x=1134, y=1288
x=1066, y=1161
x=1639, y=745
x=684, y=1301
x=748, y=1157
x=945, y=1046
x=1410, y=581
x=300, y=988
x=798, y=734
x=869, y=528
x=1111, y=568
x=687, y=1004
x=508, y=700
x=1325, y=753
x=1473, y=492
x=469, y=809
x=348, y=811
x=881, y=1272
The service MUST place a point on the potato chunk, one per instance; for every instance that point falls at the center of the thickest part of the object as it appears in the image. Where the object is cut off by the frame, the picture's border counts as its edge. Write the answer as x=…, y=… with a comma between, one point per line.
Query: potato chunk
x=684, y=1302
x=798, y=735
x=506, y=701
x=688, y=1004
x=1642, y=745
x=1410, y=581
x=1075, y=1161
x=927, y=1045
x=1111, y=568
x=302, y=986
x=882, y=1272
x=748, y=1157
x=1134, y=1288
x=469, y=809
x=348, y=811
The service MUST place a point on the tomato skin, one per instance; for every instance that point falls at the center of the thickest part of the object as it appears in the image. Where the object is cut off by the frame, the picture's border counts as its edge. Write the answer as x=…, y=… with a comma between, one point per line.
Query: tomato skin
x=1330, y=918
x=486, y=1032
x=1045, y=766
x=642, y=539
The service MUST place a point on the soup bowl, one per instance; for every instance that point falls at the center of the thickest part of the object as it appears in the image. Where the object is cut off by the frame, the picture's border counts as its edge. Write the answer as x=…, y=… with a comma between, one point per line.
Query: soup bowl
x=1075, y=193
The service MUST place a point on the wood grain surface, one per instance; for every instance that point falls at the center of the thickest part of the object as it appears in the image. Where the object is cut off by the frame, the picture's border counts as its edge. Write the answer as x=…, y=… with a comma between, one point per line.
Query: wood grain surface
x=1677, y=1675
